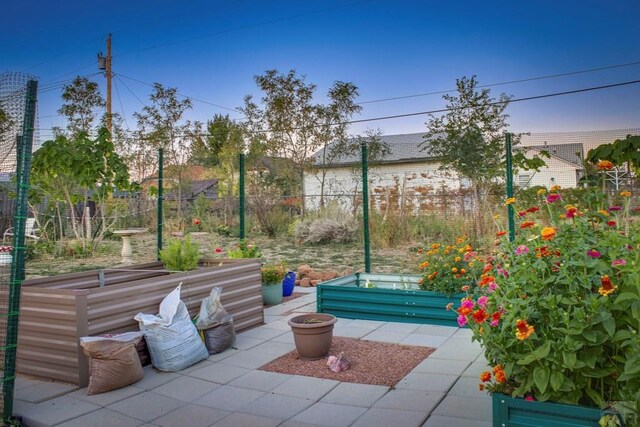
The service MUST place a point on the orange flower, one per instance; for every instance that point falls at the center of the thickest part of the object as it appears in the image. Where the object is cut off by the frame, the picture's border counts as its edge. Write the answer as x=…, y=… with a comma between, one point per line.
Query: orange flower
x=625, y=193
x=485, y=376
x=454, y=270
x=527, y=224
x=555, y=188
x=463, y=271
x=486, y=280
x=498, y=372
x=479, y=316
x=524, y=330
x=604, y=165
x=457, y=259
x=500, y=233
x=510, y=201
x=548, y=233
x=432, y=275
x=435, y=246
x=607, y=287
x=487, y=268
x=480, y=387
x=424, y=264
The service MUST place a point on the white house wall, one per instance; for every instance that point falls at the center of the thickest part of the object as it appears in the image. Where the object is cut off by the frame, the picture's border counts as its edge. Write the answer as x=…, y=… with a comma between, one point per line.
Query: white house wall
x=557, y=172
x=401, y=183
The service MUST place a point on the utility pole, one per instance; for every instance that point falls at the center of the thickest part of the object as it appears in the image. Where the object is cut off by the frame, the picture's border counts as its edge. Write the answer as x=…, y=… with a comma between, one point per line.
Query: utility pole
x=104, y=63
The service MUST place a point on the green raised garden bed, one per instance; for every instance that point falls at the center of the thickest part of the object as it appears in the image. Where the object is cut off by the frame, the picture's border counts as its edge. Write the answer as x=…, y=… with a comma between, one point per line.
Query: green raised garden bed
x=513, y=412
x=394, y=298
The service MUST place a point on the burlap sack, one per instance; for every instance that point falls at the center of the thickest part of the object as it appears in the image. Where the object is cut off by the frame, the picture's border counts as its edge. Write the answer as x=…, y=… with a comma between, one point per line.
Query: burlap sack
x=113, y=361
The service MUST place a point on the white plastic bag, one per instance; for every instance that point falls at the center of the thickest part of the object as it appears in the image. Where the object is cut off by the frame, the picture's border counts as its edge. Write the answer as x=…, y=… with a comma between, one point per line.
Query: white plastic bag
x=173, y=341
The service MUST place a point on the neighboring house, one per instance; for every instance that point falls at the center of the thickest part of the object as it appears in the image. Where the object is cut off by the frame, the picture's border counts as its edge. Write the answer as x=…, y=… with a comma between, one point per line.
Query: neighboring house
x=564, y=167
x=410, y=177
x=207, y=188
x=194, y=184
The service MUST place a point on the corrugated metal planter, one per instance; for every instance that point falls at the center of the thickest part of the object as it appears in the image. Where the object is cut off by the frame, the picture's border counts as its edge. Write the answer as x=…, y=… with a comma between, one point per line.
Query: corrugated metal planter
x=56, y=311
x=394, y=298
x=513, y=412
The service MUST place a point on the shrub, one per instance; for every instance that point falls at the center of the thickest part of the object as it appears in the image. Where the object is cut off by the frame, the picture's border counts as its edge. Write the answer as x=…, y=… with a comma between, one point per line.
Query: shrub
x=244, y=250
x=327, y=230
x=180, y=255
x=272, y=274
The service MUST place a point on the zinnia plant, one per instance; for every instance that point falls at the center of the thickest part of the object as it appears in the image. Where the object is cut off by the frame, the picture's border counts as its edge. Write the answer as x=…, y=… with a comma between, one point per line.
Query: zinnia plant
x=563, y=319
x=450, y=269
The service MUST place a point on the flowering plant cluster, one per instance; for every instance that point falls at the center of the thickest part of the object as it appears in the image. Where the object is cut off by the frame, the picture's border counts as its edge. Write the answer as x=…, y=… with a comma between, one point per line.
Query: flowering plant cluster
x=450, y=269
x=244, y=249
x=6, y=249
x=562, y=321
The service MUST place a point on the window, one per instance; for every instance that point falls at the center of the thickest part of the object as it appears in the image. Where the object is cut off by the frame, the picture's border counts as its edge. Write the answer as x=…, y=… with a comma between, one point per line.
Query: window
x=524, y=181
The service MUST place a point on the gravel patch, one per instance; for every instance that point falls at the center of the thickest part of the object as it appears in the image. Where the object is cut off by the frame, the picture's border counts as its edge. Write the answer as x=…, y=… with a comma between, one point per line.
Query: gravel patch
x=372, y=362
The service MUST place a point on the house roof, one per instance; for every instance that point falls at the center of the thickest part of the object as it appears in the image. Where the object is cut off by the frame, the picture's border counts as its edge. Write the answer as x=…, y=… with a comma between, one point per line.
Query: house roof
x=571, y=153
x=406, y=148
x=403, y=148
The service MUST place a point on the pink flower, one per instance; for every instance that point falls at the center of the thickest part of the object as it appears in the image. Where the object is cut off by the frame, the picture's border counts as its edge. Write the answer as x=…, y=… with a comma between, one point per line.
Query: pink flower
x=467, y=304
x=493, y=286
x=469, y=255
x=522, y=250
x=619, y=261
x=502, y=272
x=554, y=197
x=462, y=321
x=482, y=301
x=530, y=399
x=593, y=253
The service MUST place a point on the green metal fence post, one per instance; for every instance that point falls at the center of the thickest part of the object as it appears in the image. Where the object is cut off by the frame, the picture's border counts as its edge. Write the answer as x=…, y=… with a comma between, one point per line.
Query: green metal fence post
x=241, y=184
x=17, y=267
x=160, y=185
x=509, y=167
x=365, y=208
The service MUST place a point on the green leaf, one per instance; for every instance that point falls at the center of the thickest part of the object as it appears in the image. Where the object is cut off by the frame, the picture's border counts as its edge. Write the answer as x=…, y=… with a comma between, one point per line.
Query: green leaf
x=610, y=326
x=542, y=351
x=541, y=378
x=556, y=379
x=626, y=296
x=569, y=359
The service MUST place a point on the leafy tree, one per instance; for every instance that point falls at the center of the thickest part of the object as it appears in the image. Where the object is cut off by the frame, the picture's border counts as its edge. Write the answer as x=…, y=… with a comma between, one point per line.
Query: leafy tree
x=290, y=125
x=81, y=100
x=621, y=152
x=80, y=169
x=162, y=124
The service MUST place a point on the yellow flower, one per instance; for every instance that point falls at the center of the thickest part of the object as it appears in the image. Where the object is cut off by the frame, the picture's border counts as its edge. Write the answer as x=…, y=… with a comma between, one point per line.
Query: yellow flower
x=555, y=188
x=541, y=191
x=603, y=212
x=548, y=233
x=604, y=165
x=625, y=193
x=454, y=270
x=523, y=330
x=457, y=259
x=510, y=201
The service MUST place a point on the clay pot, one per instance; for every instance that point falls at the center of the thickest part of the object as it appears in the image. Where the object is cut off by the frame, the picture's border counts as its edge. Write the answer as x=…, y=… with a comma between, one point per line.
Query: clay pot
x=312, y=334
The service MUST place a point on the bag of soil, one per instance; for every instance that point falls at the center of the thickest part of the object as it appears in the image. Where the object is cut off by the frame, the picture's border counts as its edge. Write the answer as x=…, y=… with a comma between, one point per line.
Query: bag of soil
x=172, y=339
x=215, y=323
x=113, y=361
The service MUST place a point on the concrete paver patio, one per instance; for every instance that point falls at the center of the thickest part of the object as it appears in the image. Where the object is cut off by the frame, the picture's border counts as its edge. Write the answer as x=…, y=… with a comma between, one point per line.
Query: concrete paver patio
x=228, y=390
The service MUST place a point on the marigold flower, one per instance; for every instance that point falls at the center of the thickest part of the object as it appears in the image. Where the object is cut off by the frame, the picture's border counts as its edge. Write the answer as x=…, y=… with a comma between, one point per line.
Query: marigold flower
x=553, y=197
x=617, y=262
x=498, y=372
x=500, y=233
x=607, y=287
x=523, y=330
x=522, y=250
x=485, y=376
x=594, y=253
x=625, y=193
x=548, y=233
x=527, y=224
x=604, y=165
x=432, y=275
x=541, y=191
x=510, y=201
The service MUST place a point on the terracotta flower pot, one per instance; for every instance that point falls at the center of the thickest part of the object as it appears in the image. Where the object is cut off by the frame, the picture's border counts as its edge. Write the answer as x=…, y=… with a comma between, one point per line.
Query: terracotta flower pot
x=312, y=334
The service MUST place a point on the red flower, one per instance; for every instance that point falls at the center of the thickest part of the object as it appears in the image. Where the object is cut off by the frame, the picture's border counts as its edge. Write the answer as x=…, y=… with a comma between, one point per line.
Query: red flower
x=611, y=223
x=522, y=213
x=218, y=250
x=533, y=209
x=523, y=330
x=196, y=221
x=500, y=233
x=607, y=287
x=487, y=268
x=527, y=224
x=485, y=376
x=479, y=316
x=486, y=280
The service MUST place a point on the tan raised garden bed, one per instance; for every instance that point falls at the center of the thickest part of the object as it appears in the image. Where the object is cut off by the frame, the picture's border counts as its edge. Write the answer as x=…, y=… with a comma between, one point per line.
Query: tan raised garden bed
x=56, y=311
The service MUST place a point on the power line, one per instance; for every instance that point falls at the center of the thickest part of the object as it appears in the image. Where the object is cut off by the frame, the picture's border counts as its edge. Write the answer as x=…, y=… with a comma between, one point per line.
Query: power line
x=124, y=116
x=183, y=95
x=117, y=76
x=530, y=79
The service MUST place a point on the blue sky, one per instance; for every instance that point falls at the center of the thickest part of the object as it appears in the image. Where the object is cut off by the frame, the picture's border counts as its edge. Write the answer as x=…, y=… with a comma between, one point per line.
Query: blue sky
x=387, y=48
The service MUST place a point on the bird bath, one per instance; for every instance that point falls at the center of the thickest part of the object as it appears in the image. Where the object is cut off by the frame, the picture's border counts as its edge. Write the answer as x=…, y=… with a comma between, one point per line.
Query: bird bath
x=126, y=242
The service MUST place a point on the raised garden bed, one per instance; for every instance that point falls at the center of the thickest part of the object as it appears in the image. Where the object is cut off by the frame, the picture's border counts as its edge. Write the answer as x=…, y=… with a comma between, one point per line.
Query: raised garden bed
x=56, y=311
x=508, y=411
x=393, y=298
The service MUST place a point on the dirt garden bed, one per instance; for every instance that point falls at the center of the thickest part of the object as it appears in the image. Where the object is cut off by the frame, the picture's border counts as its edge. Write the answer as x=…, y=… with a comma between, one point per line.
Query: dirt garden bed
x=372, y=362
